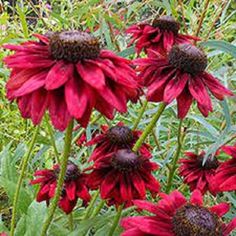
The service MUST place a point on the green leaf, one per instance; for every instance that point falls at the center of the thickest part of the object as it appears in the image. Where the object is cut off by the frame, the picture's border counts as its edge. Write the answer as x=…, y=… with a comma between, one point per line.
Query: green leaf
x=24, y=197
x=23, y=21
x=221, y=45
x=127, y=52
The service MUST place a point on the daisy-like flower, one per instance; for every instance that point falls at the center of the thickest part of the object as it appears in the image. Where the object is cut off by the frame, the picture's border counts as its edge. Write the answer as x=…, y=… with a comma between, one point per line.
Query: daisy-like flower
x=175, y=216
x=160, y=36
x=225, y=178
x=198, y=175
x=181, y=76
x=74, y=186
x=114, y=138
x=123, y=176
x=68, y=74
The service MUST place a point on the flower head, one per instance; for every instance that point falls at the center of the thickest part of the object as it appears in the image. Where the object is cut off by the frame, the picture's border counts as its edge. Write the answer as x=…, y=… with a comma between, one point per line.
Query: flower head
x=123, y=176
x=114, y=138
x=225, y=178
x=175, y=216
x=68, y=74
x=198, y=175
x=74, y=186
x=160, y=36
x=181, y=76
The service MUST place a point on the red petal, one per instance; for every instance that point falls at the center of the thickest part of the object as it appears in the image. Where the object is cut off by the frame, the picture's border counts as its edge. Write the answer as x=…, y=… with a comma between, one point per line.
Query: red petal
x=220, y=209
x=196, y=198
x=184, y=101
x=58, y=75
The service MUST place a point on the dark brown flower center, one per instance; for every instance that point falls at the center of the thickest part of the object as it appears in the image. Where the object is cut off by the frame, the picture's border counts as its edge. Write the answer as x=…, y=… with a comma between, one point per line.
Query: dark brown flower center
x=188, y=58
x=167, y=23
x=125, y=160
x=191, y=220
x=120, y=135
x=72, y=172
x=211, y=163
x=73, y=45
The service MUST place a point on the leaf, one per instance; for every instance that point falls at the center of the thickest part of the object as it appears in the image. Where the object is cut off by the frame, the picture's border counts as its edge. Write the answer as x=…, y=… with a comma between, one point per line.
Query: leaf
x=225, y=107
x=221, y=45
x=23, y=21
x=21, y=226
x=127, y=52
x=35, y=218
x=24, y=197
x=207, y=125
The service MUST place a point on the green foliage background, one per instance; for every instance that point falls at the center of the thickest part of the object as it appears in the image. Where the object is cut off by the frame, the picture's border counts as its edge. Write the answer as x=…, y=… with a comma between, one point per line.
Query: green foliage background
x=108, y=20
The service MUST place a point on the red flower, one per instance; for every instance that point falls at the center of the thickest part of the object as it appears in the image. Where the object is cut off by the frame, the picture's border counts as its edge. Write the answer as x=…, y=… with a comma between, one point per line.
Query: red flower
x=197, y=175
x=117, y=137
x=3, y=234
x=69, y=75
x=160, y=36
x=225, y=178
x=123, y=176
x=175, y=216
x=74, y=186
x=182, y=76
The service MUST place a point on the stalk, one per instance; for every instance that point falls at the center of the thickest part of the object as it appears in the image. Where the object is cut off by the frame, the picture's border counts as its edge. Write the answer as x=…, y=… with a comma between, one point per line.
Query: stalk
x=116, y=220
x=66, y=153
x=140, y=115
x=20, y=180
x=149, y=128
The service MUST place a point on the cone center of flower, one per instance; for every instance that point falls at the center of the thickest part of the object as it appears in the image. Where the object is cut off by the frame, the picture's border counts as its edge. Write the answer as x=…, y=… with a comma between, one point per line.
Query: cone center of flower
x=167, y=23
x=73, y=46
x=195, y=220
x=121, y=135
x=211, y=163
x=125, y=160
x=72, y=172
x=188, y=58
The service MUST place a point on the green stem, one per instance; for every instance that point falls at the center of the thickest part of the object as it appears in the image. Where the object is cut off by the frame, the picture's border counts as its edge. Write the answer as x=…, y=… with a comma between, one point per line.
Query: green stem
x=140, y=115
x=116, y=220
x=175, y=159
x=20, y=180
x=66, y=154
x=98, y=208
x=89, y=208
x=149, y=128
x=71, y=223
x=53, y=143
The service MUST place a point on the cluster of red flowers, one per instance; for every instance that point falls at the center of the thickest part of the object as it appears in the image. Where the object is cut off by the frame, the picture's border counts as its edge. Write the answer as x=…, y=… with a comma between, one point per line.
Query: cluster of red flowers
x=68, y=74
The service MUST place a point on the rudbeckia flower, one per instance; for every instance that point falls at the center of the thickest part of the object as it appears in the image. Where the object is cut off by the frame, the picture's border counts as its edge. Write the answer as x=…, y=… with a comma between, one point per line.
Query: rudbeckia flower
x=175, y=216
x=198, y=175
x=123, y=176
x=68, y=74
x=225, y=178
x=74, y=186
x=160, y=36
x=115, y=138
x=182, y=76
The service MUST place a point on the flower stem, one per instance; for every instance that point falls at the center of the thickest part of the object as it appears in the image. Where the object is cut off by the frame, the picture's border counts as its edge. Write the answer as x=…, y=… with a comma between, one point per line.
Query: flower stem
x=202, y=17
x=89, y=208
x=136, y=123
x=53, y=143
x=149, y=128
x=66, y=153
x=70, y=220
x=20, y=180
x=98, y=208
x=116, y=220
x=176, y=158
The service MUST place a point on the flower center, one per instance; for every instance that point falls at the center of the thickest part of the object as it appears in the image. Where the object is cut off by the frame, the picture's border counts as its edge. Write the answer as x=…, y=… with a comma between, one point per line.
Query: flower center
x=211, y=163
x=125, y=160
x=73, y=46
x=120, y=135
x=195, y=220
x=166, y=23
x=188, y=58
x=72, y=172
